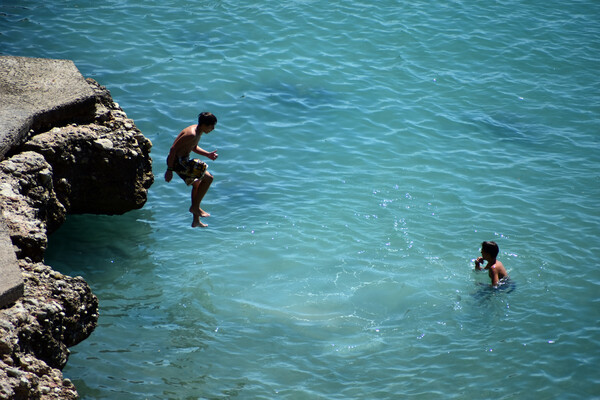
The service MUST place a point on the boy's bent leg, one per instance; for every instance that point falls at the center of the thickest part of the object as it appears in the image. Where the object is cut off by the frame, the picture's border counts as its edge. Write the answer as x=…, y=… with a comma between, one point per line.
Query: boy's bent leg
x=196, y=215
x=199, y=189
x=195, y=207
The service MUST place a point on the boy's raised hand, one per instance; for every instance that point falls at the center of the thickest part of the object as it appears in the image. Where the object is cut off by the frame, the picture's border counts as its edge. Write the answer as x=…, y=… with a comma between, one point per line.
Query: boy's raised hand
x=478, y=262
x=213, y=155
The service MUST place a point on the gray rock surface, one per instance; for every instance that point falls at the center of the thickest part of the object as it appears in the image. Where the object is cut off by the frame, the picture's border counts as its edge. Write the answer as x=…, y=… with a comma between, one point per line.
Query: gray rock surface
x=37, y=93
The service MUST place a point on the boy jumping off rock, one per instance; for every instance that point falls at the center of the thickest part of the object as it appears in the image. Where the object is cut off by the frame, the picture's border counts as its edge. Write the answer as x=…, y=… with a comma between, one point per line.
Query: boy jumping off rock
x=193, y=172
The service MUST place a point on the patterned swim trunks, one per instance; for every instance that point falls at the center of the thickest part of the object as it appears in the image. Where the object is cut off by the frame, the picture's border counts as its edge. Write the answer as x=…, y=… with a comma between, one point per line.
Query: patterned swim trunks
x=190, y=170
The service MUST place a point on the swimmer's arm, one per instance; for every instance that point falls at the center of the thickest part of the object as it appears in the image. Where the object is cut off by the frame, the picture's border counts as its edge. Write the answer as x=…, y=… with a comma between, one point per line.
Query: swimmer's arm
x=494, y=276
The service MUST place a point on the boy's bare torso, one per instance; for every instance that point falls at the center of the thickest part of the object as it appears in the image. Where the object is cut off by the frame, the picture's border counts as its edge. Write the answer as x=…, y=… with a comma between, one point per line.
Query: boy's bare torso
x=498, y=269
x=186, y=141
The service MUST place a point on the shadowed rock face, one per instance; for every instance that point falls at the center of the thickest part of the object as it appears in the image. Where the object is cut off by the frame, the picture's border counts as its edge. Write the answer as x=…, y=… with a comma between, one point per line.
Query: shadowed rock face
x=101, y=168
x=97, y=165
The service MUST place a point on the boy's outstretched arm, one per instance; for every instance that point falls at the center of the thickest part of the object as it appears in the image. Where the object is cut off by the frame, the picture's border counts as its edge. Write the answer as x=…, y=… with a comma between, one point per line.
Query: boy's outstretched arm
x=208, y=154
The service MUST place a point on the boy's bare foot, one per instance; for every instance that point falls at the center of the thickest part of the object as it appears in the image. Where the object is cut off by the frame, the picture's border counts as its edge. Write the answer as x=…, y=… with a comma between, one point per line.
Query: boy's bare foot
x=199, y=212
x=197, y=223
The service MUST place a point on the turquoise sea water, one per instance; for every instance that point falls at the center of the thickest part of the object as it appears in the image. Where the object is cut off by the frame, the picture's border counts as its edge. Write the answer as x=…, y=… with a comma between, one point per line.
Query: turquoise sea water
x=366, y=150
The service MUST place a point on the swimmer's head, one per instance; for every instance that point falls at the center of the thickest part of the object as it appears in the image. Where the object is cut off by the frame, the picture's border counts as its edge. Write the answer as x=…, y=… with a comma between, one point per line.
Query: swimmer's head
x=490, y=248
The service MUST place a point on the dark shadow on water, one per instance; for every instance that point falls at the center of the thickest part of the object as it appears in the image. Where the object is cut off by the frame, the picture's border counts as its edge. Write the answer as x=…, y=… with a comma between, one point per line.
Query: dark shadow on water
x=486, y=291
x=92, y=245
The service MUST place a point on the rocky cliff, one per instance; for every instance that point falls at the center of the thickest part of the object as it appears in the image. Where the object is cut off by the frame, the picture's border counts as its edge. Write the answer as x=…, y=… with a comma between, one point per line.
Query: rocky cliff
x=101, y=166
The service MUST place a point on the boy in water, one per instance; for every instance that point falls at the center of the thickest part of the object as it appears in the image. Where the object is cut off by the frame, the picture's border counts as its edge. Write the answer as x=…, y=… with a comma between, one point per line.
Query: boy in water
x=496, y=270
x=193, y=172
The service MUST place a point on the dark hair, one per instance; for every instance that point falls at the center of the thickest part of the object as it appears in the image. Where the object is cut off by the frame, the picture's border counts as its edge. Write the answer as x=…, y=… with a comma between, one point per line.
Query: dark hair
x=491, y=248
x=206, y=118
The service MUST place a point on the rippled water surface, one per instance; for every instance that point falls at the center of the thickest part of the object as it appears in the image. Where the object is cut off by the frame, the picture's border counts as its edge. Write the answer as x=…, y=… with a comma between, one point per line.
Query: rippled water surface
x=366, y=150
